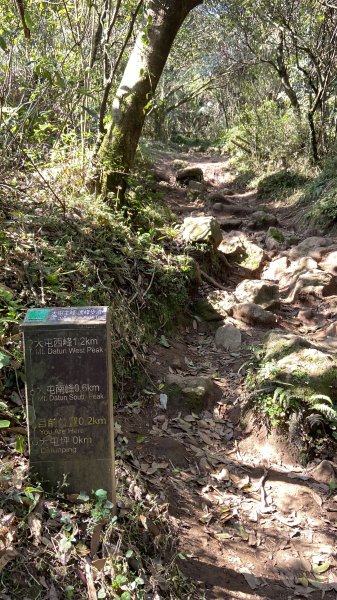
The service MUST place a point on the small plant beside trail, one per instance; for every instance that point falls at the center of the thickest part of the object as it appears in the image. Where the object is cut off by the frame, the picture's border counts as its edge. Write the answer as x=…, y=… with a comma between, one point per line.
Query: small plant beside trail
x=84, y=545
x=289, y=385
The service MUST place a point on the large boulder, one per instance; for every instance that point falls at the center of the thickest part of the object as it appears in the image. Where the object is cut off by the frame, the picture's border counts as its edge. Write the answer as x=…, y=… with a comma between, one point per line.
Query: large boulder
x=253, y=314
x=228, y=337
x=189, y=392
x=311, y=246
x=294, y=360
x=308, y=367
x=329, y=263
x=237, y=247
x=221, y=301
x=262, y=220
x=264, y=293
x=324, y=472
x=275, y=270
x=187, y=174
x=202, y=230
x=196, y=188
x=314, y=283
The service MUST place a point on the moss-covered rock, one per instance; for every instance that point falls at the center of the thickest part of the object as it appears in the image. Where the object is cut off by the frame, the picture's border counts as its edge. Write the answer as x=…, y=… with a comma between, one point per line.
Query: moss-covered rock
x=278, y=344
x=206, y=311
x=201, y=230
x=261, y=220
x=190, y=393
x=237, y=247
x=276, y=234
x=296, y=361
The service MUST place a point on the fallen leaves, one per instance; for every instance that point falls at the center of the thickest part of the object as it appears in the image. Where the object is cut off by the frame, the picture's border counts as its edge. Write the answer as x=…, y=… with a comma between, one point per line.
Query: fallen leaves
x=35, y=526
x=8, y=525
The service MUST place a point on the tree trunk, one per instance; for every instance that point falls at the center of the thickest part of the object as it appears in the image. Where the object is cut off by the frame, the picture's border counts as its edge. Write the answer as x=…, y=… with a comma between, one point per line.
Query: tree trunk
x=284, y=76
x=138, y=85
x=313, y=137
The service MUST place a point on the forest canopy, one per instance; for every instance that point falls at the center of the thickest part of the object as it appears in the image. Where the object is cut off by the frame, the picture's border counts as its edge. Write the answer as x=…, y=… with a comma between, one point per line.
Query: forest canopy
x=254, y=74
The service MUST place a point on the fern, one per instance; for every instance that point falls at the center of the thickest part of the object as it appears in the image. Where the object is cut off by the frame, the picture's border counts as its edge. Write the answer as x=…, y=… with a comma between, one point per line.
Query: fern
x=312, y=399
x=315, y=419
x=329, y=412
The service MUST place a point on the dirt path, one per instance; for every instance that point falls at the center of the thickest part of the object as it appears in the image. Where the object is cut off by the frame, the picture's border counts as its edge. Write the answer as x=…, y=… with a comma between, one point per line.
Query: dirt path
x=251, y=522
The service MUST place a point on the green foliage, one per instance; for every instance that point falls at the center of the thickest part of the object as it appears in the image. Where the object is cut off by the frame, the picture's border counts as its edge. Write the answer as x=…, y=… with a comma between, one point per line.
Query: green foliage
x=291, y=386
x=322, y=196
x=280, y=183
x=94, y=256
x=285, y=401
x=267, y=134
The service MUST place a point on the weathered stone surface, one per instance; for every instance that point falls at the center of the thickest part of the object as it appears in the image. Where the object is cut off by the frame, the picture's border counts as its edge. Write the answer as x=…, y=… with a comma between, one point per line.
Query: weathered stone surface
x=329, y=263
x=202, y=229
x=219, y=198
x=190, y=392
x=309, y=247
x=228, y=337
x=253, y=314
x=264, y=293
x=232, y=243
x=279, y=343
x=297, y=267
x=312, y=363
x=295, y=360
x=324, y=472
x=274, y=238
x=315, y=283
x=261, y=220
x=221, y=301
x=307, y=316
x=236, y=246
x=206, y=311
x=188, y=173
x=196, y=187
x=275, y=270
x=69, y=397
x=228, y=223
x=252, y=258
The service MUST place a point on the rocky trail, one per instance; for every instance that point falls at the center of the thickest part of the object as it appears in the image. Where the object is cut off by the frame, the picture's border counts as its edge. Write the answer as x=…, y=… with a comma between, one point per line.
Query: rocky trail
x=250, y=520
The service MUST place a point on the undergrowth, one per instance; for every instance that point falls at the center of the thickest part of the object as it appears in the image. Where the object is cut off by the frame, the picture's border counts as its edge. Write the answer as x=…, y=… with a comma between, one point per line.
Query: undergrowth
x=291, y=399
x=84, y=253
x=320, y=196
x=61, y=247
x=82, y=546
